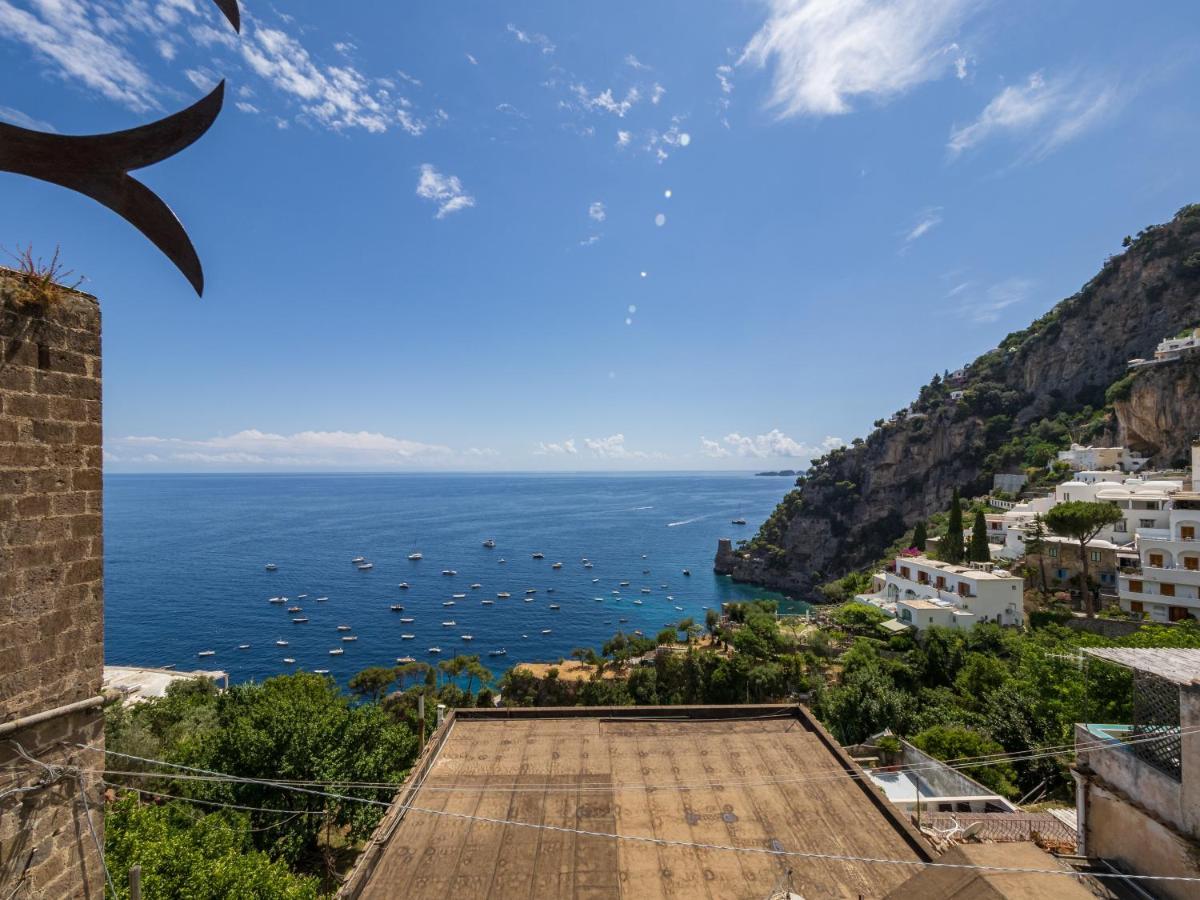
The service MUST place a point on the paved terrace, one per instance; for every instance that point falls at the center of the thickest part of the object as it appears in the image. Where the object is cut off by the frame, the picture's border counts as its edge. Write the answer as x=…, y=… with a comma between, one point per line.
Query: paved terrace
x=634, y=771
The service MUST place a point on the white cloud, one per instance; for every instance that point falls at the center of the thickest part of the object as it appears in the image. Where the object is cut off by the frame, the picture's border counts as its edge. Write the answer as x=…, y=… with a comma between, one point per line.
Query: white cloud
x=472, y=60
x=613, y=447
x=605, y=101
x=597, y=212
x=531, y=37
x=985, y=306
x=634, y=63
x=305, y=449
x=826, y=53
x=623, y=138
x=928, y=220
x=1044, y=113
x=562, y=448
x=246, y=107
x=773, y=444
x=589, y=240
x=445, y=190
x=657, y=93
x=16, y=117
x=725, y=79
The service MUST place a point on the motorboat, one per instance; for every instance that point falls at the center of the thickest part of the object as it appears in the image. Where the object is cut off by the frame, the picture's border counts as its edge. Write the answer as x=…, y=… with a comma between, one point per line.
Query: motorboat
x=448, y=603
x=557, y=565
x=277, y=600
x=487, y=602
x=400, y=660
x=500, y=652
x=587, y=565
x=539, y=556
x=365, y=567
x=458, y=596
x=243, y=646
x=528, y=599
x=449, y=572
x=549, y=590
x=645, y=590
x=396, y=607
x=624, y=584
x=403, y=585
x=679, y=609
x=555, y=606
x=637, y=602
x=503, y=595
x=407, y=619
x=343, y=628
x=301, y=596
x=281, y=643
x=270, y=567
x=435, y=649
x=336, y=651
x=738, y=521
x=450, y=623
x=350, y=637
x=415, y=556
x=358, y=559
x=503, y=560
x=320, y=671
x=645, y=571
x=531, y=590
x=687, y=573
x=595, y=580
x=289, y=659
x=476, y=586
x=489, y=543
x=466, y=637
x=300, y=620
x=407, y=637
x=294, y=609
x=322, y=599
x=207, y=653
x=546, y=630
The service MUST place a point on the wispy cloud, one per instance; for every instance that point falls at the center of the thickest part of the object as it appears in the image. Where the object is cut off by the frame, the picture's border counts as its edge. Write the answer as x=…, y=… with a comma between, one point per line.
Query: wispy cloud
x=444, y=190
x=16, y=117
x=827, y=53
x=612, y=447
x=624, y=138
x=927, y=220
x=560, y=448
x=472, y=60
x=772, y=444
x=985, y=304
x=533, y=38
x=605, y=101
x=634, y=63
x=597, y=212
x=1043, y=113
x=253, y=448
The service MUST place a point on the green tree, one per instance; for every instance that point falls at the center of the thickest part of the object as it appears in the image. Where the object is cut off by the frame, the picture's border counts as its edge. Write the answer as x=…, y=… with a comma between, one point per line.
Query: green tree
x=1035, y=544
x=920, y=536
x=950, y=547
x=979, y=550
x=372, y=683
x=200, y=857
x=712, y=623
x=1082, y=520
x=952, y=743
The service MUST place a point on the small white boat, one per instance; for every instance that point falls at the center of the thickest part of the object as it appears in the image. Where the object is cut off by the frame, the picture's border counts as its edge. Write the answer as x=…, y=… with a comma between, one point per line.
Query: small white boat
x=448, y=603
x=503, y=560
x=503, y=595
x=531, y=590
x=449, y=572
x=645, y=571
x=598, y=599
x=407, y=619
x=643, y=556
x=243, y=646
x=645, y=590
x=528, y=599
x=407, y=637
x=616, y=593
x=539, y=556
x=366, y=567
x=679, y=609
x=487, y=602
x=396, y=607
x=449, y=624
x=489, y=543
x=587, y=565
x=403, y=585
x=336, y=651
x=343, y=628
x=476, y=586
x=622, y=620
x=687, y=572
x=466, y=637
x=557, y=565
x=637, y=602
x=663, y=586
x=288, y=659
x=207, y=653
x=435, y=649
x=301, y=596
x=498, y=652
x=670, y=597
x=320, y=671
x=294, y=609
x=405, y=659
x=300, y=620
x=415, y=556
x=595, y=580
x=276, y=599
x=350, y=637
x=624, y=584
x=322, y=599
x=281, y=643
x=458, y=596
x=555, y=606
x=358, y=559
x=546, y=631
x=270, y=567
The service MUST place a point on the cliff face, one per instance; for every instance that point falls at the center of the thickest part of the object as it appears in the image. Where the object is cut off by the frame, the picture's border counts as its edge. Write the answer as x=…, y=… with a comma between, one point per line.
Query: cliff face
x=854, y=502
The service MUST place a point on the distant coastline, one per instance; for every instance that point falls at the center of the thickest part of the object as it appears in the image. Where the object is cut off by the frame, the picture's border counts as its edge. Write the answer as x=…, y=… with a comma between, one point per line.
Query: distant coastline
x=785, y=473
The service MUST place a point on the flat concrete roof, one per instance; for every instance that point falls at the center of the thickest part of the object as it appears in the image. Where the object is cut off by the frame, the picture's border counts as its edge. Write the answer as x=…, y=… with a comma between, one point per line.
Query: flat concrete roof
x=763, y=777
x=1178, y=664
x=138, y=683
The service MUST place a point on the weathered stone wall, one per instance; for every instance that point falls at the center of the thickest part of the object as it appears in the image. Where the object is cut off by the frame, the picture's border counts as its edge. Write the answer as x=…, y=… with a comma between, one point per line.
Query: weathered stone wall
x=51, y=588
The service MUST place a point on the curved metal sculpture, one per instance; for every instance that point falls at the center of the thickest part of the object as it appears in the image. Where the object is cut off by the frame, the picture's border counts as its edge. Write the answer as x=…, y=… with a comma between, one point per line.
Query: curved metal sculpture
x=98, y=166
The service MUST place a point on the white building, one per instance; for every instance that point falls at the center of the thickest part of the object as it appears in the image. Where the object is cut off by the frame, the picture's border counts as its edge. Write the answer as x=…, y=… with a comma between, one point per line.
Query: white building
x=1166, y=588
x=921, y=592
x=1170, y=349
x=1102, y=458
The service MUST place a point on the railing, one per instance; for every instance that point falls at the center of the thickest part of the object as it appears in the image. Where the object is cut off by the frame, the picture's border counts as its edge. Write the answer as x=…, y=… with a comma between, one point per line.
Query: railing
x=1001, y=504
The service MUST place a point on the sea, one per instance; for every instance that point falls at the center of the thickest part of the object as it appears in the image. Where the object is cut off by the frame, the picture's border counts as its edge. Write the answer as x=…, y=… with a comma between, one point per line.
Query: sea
x=186, y=557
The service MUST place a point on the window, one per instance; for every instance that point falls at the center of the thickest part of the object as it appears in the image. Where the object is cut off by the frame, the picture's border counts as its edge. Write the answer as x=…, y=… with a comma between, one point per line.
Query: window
x=1135, y=586
x=1167, y=590
x=1145, y=523
x=1156, y=560
x=1135, y=606
x=922, y=578
x=1187, y=532
x=1095, y=556
x=1054, y=553
x=905, y=572
x=963, y=589
x=1176, y=613
x=1191, y=563
x=941, y=582
x=1120, y=527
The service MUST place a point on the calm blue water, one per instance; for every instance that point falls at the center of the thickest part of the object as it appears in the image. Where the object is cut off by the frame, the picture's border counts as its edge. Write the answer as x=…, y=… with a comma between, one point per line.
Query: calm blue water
x=185, y=556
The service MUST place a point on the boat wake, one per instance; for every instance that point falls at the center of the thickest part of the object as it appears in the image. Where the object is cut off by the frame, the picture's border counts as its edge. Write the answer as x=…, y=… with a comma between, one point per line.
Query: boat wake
x=640, y=508
x=685, y=521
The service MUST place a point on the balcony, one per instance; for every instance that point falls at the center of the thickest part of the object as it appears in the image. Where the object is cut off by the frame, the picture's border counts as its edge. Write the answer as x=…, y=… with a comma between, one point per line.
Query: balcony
x=1154, y=534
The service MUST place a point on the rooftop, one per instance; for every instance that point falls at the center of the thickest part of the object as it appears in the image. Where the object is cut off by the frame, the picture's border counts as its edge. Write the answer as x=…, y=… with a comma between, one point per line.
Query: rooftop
x=501, y=802
x=952, y=568
x=137, y=683
x=1177, y=664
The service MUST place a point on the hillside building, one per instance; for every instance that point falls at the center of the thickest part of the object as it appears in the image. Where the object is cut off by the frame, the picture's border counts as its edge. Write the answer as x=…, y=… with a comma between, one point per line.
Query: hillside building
x=1081, y=458
x=920, y=592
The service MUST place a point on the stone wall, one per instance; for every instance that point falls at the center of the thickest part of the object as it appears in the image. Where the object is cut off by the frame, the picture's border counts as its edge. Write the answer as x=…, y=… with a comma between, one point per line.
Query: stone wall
x=51, y=589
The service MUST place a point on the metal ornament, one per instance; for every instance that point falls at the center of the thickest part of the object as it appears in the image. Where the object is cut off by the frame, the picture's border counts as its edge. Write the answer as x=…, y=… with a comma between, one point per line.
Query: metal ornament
x=98, y=166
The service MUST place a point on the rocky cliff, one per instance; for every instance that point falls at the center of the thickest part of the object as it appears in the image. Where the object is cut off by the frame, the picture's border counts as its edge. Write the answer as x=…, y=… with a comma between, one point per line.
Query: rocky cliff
x=1041, y=388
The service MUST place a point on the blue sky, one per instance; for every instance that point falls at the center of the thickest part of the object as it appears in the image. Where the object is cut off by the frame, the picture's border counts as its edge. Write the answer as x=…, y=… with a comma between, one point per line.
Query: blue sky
x=425, y=224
